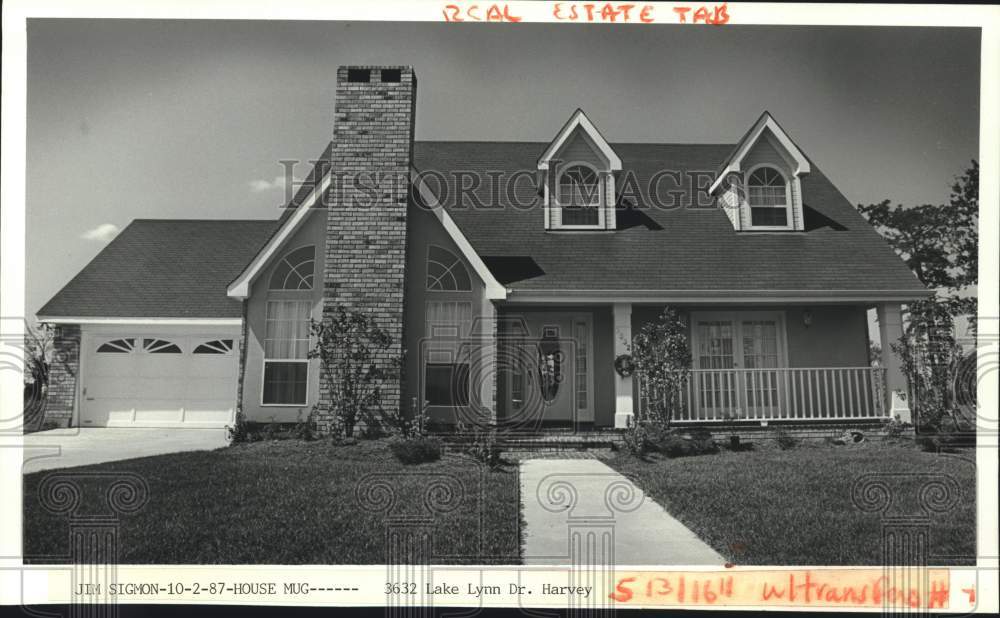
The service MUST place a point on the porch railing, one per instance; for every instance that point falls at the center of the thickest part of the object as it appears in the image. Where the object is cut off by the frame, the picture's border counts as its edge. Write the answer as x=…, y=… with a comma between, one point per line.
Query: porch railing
x=785, y=394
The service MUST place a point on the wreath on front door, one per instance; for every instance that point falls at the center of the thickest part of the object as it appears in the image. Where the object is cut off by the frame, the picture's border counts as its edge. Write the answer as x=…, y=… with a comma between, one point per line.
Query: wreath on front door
x=624, y=365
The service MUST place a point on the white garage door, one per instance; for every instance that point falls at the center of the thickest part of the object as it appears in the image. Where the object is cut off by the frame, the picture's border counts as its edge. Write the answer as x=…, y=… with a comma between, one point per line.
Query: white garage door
x=150, y=380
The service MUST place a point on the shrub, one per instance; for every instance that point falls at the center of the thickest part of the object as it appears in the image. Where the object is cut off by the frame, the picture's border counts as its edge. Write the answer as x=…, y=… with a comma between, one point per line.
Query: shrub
x=483, y=445
x=372, y=429
x=685, y=442
x=416, y=449
x=239, y=431
x=635, y=439
x=894, y=429
x=947, y=433
x=672, y=442
x=485, y=448
x=304, y=430
x=785, y=440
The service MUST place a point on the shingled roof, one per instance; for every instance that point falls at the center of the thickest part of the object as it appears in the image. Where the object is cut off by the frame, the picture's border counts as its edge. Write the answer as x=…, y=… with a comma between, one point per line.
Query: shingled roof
x=181, y=268
x=656, y=248
x=163, y=268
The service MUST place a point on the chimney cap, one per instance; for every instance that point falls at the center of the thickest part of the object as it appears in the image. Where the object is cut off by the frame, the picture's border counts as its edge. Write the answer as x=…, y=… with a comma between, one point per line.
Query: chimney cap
x=385, y=74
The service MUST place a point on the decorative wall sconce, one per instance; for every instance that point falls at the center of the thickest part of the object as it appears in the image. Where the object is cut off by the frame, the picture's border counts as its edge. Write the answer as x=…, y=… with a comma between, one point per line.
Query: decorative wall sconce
x=807, y=317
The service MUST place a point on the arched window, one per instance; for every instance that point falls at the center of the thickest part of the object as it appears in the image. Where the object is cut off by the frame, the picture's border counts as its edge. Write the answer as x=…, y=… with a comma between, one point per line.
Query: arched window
x=579, y=196
x=215, y=346
x=295, y=270
x=768, y=198
x=445, y=271
x=160, y=346
x=118, y=346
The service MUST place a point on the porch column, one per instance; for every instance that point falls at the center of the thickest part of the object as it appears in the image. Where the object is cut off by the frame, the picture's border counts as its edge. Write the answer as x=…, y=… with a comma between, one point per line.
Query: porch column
x=890, y=326
x=487, y=362
x=623, y=386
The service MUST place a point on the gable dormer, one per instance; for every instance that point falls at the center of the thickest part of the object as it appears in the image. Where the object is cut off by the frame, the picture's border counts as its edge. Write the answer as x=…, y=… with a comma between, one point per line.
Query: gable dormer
x=759, y=186
x=578, y=179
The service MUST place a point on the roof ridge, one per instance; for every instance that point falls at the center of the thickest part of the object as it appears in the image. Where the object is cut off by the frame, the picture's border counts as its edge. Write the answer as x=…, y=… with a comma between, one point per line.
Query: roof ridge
x=201, y=220
x=532, y=142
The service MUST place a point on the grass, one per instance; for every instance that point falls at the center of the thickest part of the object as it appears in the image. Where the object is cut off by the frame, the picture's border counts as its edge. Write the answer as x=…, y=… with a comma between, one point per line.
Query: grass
x=794, y=507
x=290, y=502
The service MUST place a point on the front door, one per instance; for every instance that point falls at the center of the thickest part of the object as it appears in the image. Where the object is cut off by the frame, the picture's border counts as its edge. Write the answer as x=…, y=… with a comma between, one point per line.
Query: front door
x=736, y=356
x=549, y=366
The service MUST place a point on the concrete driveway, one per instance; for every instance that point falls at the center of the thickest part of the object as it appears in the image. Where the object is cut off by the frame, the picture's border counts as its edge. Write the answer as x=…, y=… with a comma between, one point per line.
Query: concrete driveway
x=66, y=448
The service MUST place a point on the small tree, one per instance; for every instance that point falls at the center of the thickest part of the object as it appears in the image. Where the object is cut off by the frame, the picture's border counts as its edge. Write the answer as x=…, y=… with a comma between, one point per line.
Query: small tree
x=661, y=357
x=38, y=351
x=38, y=354
x=352, y=350
x=932, y=361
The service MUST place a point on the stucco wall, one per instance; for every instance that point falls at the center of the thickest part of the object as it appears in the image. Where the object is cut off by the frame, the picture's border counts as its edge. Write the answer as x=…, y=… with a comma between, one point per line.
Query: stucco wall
x=837, y=337
x=312, y=232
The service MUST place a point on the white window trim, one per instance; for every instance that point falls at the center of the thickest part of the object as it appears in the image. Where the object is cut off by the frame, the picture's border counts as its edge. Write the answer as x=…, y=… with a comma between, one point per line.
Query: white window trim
x=737, y=318
x=766, y=121
x=602, y=188
x=265, y=359
x=789, y=205
x=580, y=119
x=457, y=297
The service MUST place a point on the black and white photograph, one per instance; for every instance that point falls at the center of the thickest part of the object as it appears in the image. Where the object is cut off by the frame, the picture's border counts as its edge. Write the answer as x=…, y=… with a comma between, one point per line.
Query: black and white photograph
x=614, y=293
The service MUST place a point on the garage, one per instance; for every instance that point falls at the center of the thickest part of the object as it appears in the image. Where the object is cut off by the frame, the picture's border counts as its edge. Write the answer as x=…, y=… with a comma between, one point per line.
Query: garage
x=158, y=378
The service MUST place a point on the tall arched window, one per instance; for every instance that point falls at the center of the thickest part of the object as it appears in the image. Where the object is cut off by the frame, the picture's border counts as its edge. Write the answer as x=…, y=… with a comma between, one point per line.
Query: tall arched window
x=579, y=196
x=286, y=329
x=295, y=270
x=767, y=195
x=445, y=271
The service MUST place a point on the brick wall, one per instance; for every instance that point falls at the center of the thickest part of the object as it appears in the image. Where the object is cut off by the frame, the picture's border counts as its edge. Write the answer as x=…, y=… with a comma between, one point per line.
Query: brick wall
x=62, y=375
x=366, y=213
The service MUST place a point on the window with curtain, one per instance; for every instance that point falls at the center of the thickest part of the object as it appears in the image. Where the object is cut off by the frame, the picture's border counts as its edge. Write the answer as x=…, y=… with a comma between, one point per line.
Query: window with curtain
x=768, y=199
x=579, y=196
x=446, y=355
x=286, y=350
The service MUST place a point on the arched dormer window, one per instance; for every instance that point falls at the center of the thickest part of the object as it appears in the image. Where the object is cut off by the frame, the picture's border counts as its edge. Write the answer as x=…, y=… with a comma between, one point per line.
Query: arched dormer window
x=768, y=199
x=295, y=271
x=445, y=271
x=578, y=197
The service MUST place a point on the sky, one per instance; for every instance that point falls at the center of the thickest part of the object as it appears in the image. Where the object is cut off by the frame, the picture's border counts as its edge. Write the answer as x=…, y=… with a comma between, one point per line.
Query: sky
x=189, y=119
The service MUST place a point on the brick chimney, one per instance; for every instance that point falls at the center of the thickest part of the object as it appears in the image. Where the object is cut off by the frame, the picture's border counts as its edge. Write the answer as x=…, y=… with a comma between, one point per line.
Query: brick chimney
x=364, y=269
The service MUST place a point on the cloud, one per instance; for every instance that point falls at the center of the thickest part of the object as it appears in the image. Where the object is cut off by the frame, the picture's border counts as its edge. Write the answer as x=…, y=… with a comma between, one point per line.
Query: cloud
x=262, y=185
x=103, y=232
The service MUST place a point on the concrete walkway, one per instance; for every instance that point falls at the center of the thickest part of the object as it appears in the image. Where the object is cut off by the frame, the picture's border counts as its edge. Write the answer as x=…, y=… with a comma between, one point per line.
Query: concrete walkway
x=66, y=448
x=573, y=507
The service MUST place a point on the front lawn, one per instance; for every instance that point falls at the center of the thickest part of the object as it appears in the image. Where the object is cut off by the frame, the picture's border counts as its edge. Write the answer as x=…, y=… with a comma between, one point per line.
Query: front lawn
x=793, y=507
x=291, y=502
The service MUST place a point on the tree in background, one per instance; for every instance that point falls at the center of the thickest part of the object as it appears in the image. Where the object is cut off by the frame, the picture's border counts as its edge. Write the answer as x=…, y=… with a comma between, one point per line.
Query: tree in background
x=940, y=244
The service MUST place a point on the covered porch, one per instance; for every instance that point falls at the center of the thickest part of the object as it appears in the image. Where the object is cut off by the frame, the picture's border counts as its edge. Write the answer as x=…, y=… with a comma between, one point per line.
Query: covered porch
x=751, y=364
x=789, y=363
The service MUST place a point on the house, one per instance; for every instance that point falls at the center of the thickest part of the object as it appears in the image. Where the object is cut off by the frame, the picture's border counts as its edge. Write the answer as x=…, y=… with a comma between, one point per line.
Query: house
x=511, y=276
